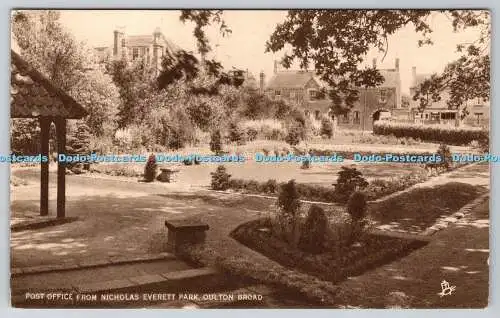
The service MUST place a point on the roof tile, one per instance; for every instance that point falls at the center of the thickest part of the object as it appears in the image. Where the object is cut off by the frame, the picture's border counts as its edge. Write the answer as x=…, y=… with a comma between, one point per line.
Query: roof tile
x=33, y=95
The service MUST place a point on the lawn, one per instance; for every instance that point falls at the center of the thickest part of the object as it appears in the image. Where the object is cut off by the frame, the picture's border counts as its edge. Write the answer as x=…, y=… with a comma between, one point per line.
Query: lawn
x=458, y=255
x=420, y=208
x=324, y=174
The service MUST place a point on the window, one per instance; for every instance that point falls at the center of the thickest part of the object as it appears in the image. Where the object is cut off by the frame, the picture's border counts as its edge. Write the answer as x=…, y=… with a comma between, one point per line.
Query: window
x=479, y=116
x=313, y=94
x=307, y=113
x=143, y=51
x=448, y=116
x=317, y=114
x=135, y=53
x=292, y=94
x=356, y=118
x=277, y=93
x=426, y=116
x=345, y=118
x=383, y=96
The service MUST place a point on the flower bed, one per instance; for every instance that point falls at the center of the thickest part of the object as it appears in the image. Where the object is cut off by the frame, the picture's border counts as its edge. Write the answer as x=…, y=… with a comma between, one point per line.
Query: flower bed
x=335, y=265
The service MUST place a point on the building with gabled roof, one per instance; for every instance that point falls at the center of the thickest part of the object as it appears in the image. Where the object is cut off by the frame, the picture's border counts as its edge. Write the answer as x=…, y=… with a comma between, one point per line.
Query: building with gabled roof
x=438, y=112
x=304, y=88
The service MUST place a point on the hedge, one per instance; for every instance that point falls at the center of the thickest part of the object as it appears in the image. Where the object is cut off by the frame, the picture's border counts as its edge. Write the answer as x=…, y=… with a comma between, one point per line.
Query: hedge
x=375, y=190
x=459, y=136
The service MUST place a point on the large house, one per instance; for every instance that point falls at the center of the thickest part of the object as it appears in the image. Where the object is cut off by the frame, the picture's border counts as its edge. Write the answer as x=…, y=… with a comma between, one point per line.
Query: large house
x=438, y=112
x=149, y=48
x=304, y=87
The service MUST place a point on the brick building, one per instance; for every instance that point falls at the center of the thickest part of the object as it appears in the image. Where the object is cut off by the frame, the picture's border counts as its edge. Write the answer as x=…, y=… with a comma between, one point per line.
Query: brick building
x=439, y=113
x=149, y=48
x=304, y=87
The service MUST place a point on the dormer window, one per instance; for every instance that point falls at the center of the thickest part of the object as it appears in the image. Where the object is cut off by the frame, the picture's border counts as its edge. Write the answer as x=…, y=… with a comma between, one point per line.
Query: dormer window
x=277, y=93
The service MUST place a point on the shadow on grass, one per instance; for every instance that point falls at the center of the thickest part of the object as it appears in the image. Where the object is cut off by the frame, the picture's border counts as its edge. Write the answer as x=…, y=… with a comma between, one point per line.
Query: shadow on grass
x=107, y=226
x=420, y=208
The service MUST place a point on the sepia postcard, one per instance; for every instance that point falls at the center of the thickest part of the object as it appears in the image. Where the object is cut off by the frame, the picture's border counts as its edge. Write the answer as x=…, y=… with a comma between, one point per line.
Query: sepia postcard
x=250, y=158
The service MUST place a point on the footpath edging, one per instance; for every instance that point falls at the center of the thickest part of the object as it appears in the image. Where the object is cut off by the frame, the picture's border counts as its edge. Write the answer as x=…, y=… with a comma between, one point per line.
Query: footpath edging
x=113, y=260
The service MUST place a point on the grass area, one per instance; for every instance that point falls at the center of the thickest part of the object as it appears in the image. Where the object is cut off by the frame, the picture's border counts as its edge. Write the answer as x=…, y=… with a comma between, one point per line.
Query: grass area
x=458, y=255
x=318, y=174
x=421, y=207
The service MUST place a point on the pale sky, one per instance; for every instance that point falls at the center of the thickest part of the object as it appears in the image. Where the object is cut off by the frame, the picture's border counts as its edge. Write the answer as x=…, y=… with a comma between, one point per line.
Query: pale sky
x=244, y=48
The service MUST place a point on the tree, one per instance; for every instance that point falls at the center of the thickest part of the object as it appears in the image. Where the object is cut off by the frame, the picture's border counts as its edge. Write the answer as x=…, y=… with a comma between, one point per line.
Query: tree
x=100, y=96
x=79, y=140
x=202, y=19
x=134, y=85
x=469, y=76
x=46, y=45
x=336, y=42
x=24, y=136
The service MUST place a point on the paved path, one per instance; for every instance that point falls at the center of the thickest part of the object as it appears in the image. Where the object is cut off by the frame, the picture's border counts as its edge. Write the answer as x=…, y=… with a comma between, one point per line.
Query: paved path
x=115, y=218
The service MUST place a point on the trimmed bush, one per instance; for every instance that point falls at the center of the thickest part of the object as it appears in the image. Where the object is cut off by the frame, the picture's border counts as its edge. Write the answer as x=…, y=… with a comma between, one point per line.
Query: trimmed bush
x=326, y=127
x=313, y=235
x=220, y=179
x=306, y=164
x=460, y=136
x=445, y=154
x=286, y=222
x=356, y=206
x=151, y=169
x=348, y=181
x=270, y=186
x=288, y=198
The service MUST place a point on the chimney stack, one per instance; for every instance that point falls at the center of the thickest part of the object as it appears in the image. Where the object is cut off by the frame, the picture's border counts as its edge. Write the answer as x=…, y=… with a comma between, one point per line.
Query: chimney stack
x=414, y=73
x=374, y=63
x=397, y=65
x=261, y=83
x=118, y=44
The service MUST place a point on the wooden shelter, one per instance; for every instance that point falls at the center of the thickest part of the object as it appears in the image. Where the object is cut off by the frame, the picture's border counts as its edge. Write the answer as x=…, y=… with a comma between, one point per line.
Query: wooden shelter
x=35, y=96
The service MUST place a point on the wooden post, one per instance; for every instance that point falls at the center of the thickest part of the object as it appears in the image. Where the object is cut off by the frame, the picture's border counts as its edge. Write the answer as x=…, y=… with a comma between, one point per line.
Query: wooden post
x=61, y=167
x=44, y=173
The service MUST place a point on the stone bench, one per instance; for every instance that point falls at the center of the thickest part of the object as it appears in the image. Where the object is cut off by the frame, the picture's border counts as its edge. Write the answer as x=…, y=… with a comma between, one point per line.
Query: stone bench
x=184, y=231
x=166, y=175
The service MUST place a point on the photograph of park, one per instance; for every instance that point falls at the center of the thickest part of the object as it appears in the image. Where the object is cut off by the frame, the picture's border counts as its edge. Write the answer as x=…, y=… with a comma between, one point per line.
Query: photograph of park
x=250, y=158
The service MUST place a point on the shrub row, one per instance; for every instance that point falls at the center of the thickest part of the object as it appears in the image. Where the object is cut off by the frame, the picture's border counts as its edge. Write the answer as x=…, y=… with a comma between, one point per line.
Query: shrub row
x=432, y=133
x=306, y=191
x=349, y=154
x=375, y=190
